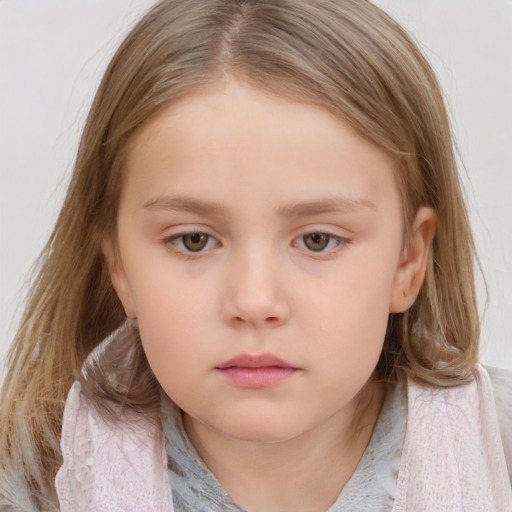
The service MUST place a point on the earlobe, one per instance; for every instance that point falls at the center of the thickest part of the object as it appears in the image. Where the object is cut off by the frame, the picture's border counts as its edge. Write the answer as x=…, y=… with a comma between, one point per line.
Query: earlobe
x=118, y=277
x=413, y=263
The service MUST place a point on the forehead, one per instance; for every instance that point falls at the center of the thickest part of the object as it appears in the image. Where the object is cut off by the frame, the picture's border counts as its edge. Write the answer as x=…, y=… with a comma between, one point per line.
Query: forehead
x=236, y=140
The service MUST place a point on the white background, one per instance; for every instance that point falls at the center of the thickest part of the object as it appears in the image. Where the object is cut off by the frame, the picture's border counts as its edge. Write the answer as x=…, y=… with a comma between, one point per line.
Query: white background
x=52, y=55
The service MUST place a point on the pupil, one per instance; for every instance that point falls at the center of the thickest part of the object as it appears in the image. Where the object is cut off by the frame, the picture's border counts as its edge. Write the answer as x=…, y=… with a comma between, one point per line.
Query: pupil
x=316, y=241
x=195, y=241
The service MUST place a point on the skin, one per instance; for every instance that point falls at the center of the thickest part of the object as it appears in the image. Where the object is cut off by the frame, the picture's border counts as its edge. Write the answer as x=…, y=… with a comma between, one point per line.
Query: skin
x=258, y=174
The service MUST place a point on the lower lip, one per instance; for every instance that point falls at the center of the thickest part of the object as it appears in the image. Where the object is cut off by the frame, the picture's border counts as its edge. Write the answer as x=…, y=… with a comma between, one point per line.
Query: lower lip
x=261, y=377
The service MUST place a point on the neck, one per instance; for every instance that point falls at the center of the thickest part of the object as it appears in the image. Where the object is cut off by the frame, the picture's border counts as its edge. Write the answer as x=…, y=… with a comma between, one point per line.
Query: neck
x=305, y=473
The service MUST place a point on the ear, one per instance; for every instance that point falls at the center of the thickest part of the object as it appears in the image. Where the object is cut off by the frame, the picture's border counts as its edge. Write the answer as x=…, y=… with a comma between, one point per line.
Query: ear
x=118, y=276
x=413, y=262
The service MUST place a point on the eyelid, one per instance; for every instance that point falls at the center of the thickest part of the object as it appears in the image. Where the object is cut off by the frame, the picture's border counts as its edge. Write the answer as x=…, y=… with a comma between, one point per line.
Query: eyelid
x=181, y=231
x=342, y=241
x=325, y=251
x=169, y=240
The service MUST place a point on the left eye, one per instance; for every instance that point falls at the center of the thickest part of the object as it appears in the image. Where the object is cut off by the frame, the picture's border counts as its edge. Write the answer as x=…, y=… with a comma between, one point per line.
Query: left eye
x=320, y=242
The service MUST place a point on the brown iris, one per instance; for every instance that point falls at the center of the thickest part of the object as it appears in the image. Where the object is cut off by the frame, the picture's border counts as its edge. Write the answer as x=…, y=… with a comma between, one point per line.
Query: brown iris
x=195, y=242
x=316, y=241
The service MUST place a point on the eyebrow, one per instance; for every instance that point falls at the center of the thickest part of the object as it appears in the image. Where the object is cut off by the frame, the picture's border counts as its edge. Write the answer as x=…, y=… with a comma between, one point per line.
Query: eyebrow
x=202, y=207
x=326, y=205
x=185, y=203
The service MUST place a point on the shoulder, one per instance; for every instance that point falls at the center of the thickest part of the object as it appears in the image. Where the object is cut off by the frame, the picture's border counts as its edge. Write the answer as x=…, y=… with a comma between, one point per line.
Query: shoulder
x=466, y=467
x=96, y=451
x=501, y=381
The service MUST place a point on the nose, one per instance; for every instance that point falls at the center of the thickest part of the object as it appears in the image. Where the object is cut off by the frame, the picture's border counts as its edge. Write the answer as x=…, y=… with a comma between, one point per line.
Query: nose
x=256, y=295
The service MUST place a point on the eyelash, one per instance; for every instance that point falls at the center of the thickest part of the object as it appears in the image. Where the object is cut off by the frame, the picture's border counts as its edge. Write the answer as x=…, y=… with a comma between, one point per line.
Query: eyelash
x=339, y=242
x=175, y=240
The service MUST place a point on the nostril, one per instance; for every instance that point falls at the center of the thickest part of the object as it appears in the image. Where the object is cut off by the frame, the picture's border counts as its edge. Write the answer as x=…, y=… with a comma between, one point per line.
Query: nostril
x=270, y=320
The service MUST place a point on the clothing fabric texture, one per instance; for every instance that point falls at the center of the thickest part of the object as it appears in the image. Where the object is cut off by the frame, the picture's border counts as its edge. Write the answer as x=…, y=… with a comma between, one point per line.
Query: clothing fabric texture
x=452, y=457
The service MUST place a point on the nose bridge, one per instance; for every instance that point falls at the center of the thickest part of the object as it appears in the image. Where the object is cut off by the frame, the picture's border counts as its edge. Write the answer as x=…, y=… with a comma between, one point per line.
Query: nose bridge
x=256, y=294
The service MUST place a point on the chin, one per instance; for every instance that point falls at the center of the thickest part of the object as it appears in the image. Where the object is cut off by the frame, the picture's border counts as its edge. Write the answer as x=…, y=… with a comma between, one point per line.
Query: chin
x=260, y=431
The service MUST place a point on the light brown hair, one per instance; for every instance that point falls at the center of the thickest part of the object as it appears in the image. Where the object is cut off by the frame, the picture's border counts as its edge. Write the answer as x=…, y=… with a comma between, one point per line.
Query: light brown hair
x=347, y=56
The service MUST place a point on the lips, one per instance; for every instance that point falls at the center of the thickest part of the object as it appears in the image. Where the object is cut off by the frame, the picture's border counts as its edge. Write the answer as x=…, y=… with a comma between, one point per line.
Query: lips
x=255, y=361
x=256, y=371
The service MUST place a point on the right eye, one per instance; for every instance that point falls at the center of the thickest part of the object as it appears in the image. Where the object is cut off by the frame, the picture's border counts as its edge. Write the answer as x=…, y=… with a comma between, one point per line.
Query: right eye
x=192, y=242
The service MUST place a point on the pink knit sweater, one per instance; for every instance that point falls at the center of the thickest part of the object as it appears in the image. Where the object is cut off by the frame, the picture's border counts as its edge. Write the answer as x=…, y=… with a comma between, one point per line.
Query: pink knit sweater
x=452, y=459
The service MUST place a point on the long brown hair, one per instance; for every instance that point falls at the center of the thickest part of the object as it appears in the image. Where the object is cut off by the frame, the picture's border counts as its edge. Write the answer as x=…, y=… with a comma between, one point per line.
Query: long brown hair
x=345, y=55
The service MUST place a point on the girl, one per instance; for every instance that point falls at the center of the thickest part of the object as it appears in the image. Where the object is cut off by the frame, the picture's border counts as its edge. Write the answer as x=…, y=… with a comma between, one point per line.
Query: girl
x=259, y=293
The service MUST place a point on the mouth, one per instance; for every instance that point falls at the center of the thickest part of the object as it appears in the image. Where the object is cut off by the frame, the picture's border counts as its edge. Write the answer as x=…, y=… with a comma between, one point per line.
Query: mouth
x=256, y=371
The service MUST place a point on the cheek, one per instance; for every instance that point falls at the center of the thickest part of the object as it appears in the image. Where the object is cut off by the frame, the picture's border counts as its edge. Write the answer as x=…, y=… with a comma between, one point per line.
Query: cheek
x=351, y=317
x=173, y=317
x=179, y=323
x=173, y=339
x=165, y=291
x=172, y=310
x=353, y=333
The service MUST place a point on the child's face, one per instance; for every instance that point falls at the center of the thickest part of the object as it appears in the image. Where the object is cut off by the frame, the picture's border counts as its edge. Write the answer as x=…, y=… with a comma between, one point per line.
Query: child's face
x=256, y=227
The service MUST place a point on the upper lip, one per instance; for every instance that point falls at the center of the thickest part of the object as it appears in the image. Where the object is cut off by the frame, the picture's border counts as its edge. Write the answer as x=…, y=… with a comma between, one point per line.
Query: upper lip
x=255, y=361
